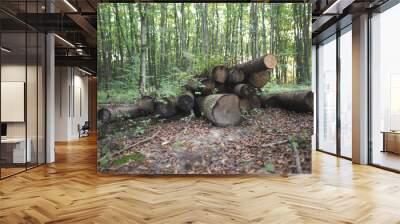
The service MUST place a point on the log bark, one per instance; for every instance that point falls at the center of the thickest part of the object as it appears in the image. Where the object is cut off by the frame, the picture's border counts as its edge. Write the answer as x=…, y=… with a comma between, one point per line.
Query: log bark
x=142, y=107
x=255, y=101
x=205, y=86
x=185, y=102
x=244, y=90
x=299, y=101
x=244, y=104
x=198, y=104
x=235, y=76
x=222, y=109
x=166, y=108
x=259, y=79
x=219, y=73
x=265, y=62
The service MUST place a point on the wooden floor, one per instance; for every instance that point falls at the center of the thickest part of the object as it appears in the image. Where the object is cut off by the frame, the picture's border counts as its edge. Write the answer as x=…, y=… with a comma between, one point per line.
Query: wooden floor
x=70, y=191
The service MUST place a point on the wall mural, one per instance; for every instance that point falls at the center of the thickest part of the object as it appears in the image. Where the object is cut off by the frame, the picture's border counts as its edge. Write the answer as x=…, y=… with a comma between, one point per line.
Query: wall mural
x=195, y=88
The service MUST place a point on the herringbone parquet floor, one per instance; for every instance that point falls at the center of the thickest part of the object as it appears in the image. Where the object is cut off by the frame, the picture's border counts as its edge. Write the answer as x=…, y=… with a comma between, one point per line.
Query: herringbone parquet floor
x=70, y=191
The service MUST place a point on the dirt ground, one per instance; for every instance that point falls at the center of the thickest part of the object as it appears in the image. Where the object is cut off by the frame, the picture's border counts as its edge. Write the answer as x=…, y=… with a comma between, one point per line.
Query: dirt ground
x=268, y=141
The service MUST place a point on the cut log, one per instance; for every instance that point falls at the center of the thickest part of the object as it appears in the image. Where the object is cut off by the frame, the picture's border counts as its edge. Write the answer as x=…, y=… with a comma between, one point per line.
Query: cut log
x=142, y=107
x=198, y=104
x=244, y=90
x=206, y=86
x=259, y=79
x=255, y=101
x=219, y=73
x=222, y=109
x=263, y=63
x=300, y=101
x=185, y=102
x=250, y=103
x=235, y=75
x=166, y=108
x=244, y=104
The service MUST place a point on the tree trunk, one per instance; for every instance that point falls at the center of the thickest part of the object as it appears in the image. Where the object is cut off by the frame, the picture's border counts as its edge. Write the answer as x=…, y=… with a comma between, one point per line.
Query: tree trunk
x=259, y=79
x=257, y=65
x=205, y=29
x=222, y=109
x=142, y=107
x=166, y=109
x=143, y=47
x=185, y=102
x=300, y=101
x=235, y=75
x=219, y=73
x=244, y=90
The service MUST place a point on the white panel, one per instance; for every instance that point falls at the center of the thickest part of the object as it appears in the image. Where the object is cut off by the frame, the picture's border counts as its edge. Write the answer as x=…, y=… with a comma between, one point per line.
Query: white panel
x=346, y=94
x=12, y=101
x=327, y=97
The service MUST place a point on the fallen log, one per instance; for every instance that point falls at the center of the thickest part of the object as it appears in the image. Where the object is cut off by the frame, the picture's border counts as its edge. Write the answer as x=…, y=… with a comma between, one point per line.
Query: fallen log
x=263, y=63
x=185, y=102
x=205, y=86
x=255, y=101
x=142, y=107
x=244, y=104
x=244, y=90
x=198, y=104
x=259, y=79
x=300, y=101
x=219, y=73
x=235, y=76
x=166, y=108
x=221, y=109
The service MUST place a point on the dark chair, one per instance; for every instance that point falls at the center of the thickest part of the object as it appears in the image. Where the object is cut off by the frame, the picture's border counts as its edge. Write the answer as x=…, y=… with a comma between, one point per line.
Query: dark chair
x=84, y=130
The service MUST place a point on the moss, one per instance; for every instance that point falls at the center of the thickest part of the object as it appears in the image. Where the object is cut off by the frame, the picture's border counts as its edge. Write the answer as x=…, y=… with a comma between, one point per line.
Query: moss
x=136, y=157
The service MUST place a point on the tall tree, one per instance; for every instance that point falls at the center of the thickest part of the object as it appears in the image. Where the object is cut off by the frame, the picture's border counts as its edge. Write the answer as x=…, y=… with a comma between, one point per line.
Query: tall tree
x=143, y=48
x=205, y=29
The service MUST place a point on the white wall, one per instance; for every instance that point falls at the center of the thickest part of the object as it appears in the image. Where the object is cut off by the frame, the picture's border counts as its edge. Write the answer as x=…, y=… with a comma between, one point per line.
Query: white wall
x=71, y=102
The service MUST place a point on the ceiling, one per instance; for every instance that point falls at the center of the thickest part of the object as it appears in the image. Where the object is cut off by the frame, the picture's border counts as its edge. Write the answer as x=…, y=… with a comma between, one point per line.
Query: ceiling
x=331, y=15
x=73, y=21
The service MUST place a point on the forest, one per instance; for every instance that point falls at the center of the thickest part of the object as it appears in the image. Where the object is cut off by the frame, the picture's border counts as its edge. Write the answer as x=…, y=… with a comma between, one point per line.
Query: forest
x=195, y=88
x=154, y=49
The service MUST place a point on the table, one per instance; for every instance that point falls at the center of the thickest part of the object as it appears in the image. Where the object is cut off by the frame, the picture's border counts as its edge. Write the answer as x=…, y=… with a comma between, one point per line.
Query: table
x=391, y=141
x=13, y=150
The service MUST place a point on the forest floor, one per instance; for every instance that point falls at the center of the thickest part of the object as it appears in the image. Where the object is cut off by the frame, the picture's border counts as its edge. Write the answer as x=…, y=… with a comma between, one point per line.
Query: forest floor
x=269, y=140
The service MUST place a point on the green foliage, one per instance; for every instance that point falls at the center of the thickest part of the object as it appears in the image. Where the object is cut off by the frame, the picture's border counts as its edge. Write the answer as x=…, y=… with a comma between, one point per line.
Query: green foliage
x=178, y=47
x=296, y=140
x=256, y=111
x=276, y=130
x=105, y=160
x=269, y=167
x=273, y=87
x=140, y=127
x=115, y=142
x=177, y=144
x=135, y=157
x=117, y=95
x=293, y=142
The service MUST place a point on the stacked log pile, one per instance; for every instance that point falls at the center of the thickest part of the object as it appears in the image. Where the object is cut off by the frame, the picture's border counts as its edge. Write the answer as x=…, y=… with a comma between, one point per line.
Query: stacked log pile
x=219, y=95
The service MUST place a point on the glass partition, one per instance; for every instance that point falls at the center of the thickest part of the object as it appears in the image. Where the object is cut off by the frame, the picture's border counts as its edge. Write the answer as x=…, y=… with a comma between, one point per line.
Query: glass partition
x=346, y=93
x=385, y=89
x=327, y=95
x=22, y=77
x=13, y=94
